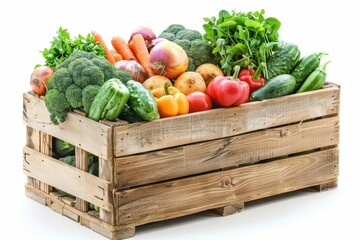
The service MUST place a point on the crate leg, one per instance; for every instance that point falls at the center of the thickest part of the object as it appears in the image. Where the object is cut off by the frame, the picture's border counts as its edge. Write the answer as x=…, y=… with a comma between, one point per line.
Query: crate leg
x=45, y=148
x=228, y=210
x=106, y=172
x=111, y=234
x=325, y=186
x=83, y=164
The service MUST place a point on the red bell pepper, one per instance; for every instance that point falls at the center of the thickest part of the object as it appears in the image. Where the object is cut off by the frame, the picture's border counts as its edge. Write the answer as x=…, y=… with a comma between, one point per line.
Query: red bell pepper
x=250, y=76
x=229, y=90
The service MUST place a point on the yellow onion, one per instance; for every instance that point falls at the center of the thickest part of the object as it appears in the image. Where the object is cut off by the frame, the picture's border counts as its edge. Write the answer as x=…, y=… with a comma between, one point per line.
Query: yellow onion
x=168, y=59
x=136, y=71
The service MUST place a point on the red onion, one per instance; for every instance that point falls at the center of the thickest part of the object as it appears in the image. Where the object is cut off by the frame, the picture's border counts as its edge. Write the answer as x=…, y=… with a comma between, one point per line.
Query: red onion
x=155, y=41
x=168, y=59
x=136, y=71
x=147, y=33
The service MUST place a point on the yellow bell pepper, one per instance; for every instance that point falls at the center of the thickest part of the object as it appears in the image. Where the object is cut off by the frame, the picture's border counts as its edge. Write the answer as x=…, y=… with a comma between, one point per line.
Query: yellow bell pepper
x=170, y=101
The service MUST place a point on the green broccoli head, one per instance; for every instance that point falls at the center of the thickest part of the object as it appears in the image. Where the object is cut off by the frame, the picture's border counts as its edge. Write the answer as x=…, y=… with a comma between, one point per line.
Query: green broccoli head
x=57, y=105
x=201, y=52
x=191, y=65
x=168, y=36
x=184, y=44
x=174, y=28
x=75, y=55
x=85, y=73
x=88, y=96
x=61, y=79
x=189, y=34
x=74, y=96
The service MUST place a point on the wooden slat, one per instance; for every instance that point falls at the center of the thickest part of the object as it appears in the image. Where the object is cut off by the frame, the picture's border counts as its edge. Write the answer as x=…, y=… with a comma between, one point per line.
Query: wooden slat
x=209, y=191
x=46, y=149
x=78, y=130
x=228, y=210
x=106, y=172
x=219, y=123
x=82, y=163
x=33, y=141
x=89, y=220
x=69, y=179
x=196, y=158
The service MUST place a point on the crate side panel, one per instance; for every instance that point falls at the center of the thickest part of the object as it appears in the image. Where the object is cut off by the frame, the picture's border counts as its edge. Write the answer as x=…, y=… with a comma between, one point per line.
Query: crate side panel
x=197, y=158
x=224, y=122
x=69, y=179
x=209, y=191
x=79, y=130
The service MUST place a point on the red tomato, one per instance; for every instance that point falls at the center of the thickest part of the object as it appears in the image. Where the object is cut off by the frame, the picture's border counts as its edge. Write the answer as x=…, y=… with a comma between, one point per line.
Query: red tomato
x=199, y=101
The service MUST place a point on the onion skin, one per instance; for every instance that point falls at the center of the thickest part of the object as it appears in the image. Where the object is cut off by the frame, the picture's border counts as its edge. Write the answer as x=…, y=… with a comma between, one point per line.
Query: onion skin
x=39, y=79
x=136, y=71
x=168, y=59
x=147, y=33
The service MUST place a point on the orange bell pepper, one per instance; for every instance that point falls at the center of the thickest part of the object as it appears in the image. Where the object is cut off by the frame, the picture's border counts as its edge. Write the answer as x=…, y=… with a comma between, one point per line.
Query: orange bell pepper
x=170, y=101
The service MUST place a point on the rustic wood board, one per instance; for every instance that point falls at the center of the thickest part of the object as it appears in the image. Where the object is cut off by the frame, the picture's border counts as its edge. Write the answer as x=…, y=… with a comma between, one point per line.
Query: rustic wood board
x=218, y=123
x=69, y=179
x=78, y=130
x=186, y=196
x=246, y=148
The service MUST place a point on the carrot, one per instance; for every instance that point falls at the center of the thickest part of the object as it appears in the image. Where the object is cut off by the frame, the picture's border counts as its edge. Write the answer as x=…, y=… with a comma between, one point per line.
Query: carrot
x=122, y=47
x=117, y=56
x=138, y=47
x=100, y=41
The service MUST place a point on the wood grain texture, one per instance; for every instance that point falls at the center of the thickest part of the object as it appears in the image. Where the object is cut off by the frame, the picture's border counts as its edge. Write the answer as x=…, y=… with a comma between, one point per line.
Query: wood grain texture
x=78, y=130
x=326, y=186
x=82, y=163
x=106, y=172
x=218, y=123
x=88, y=220
x=33, y=141
x=46, y=149
x=229, y=210
x=246, y=148
x=209, y=191
x=71, y=180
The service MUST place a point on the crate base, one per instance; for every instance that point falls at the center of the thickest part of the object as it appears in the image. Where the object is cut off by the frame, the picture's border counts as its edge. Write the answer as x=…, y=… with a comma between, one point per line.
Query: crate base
x=66, y=207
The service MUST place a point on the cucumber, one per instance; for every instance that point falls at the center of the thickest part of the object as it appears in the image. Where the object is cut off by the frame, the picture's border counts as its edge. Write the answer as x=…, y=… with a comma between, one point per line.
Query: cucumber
x=280, y=85
x=282, y=60
x=304, y=67
x=315, y=80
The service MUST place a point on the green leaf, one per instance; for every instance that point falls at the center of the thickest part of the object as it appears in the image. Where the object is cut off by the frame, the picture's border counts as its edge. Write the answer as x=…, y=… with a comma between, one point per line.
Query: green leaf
x=253, y=24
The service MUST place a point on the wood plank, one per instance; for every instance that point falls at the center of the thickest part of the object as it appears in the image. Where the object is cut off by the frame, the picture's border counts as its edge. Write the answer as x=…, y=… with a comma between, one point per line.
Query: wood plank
x=224, y=122
x=106, y=172
x=229, y=210
x=33, y=141
x=202, y=157
x=46, y=149
x=209, y=191
x=82, y=163
x=78, y=130
x=326, y=186
x=69, y=179
x=115, y=235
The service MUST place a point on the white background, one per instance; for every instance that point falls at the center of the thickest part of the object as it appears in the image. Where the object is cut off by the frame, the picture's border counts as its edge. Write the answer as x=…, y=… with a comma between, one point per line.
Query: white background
x=28, y=26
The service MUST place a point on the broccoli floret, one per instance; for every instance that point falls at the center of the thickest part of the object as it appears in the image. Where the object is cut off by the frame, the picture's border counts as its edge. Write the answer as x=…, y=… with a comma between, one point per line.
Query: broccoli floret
x=85, y=73
x=88, y=96
x=61, y=79
x=74, y=96
x=184, y=44
x=189, y=34
x=174, y=28
x=168, y=36
x=75, y=55
x=58, y=106
x=201, y=51
x=191, y=65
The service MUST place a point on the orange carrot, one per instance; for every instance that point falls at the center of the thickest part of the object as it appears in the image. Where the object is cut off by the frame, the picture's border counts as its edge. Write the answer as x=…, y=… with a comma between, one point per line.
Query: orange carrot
x=122, y=47
x=100, y=41
x=138, y=47
x=117, y=56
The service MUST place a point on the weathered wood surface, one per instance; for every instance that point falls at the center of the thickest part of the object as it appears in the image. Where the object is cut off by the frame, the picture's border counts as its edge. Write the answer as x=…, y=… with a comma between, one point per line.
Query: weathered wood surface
x=232, y=209
x=82, y=163
x=33, y=141
x=46, y=149
x=218, y=123
x=202, y=157
x=182, y=197
x=106, y=172
x=77, y=129
x=69, y=179
x=88, y=220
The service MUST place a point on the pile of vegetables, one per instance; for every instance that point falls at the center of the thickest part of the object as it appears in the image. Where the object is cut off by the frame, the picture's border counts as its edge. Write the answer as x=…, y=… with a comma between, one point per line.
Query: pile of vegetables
x=240, y=57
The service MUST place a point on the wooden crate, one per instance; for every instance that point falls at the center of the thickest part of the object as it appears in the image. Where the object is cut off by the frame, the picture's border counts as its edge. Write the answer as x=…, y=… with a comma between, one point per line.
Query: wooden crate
x=218, y=159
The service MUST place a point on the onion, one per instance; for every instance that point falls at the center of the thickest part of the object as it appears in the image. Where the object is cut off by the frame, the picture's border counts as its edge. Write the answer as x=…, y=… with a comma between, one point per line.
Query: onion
x=147, y=33
x=136, y=71
x=168, y=59
x=155, y=41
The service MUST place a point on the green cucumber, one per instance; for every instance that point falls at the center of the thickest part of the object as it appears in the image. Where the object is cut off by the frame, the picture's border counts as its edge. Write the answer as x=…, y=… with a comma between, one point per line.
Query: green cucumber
x=129, y=115
x=304, y=67
x=141, y=101
x=282, y=60
x=315, y=80
x=280, y=85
